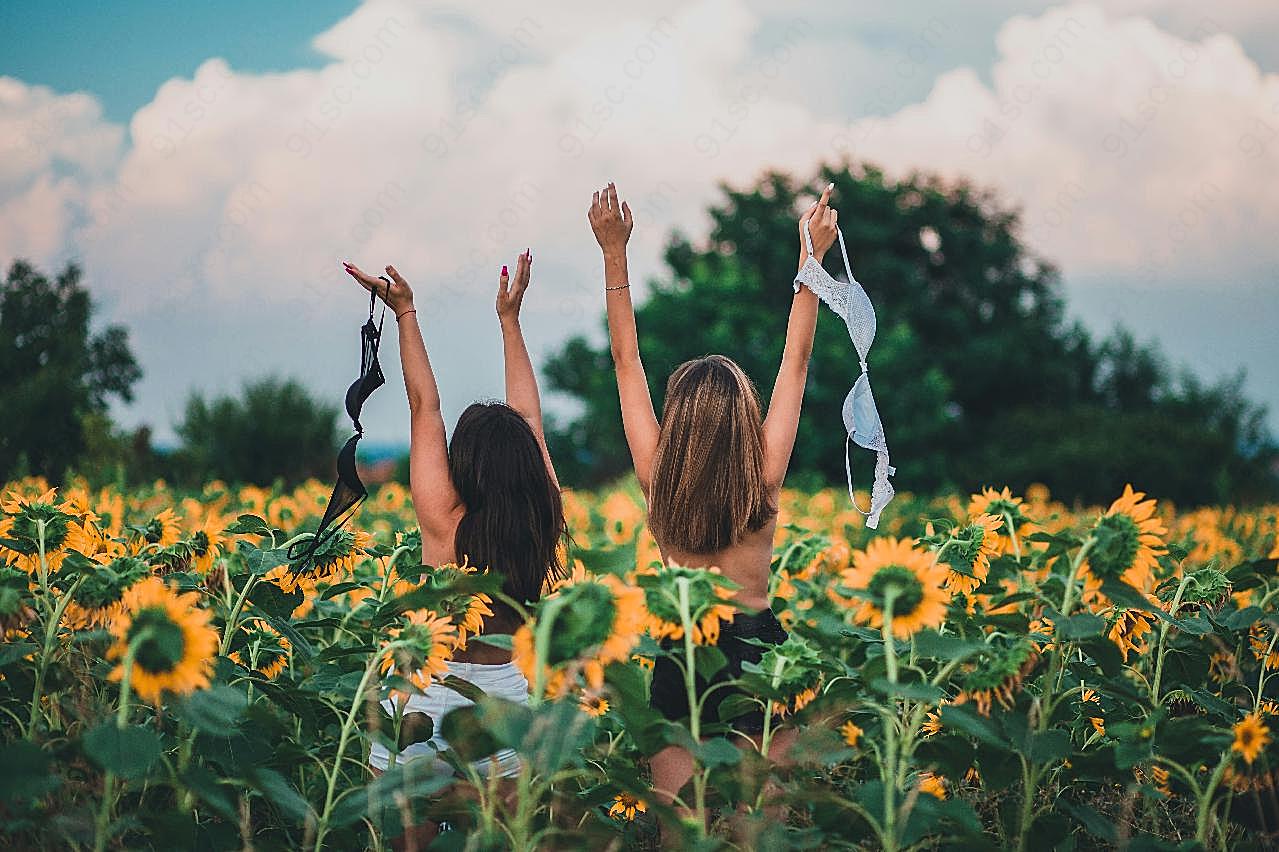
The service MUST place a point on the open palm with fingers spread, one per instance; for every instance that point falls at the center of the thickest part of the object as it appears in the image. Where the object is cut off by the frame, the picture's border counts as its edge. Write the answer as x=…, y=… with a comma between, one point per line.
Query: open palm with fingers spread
x=610, y=220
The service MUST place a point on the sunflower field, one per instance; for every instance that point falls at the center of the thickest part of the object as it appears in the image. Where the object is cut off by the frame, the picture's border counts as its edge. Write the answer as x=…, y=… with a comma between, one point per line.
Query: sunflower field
x=993, y=672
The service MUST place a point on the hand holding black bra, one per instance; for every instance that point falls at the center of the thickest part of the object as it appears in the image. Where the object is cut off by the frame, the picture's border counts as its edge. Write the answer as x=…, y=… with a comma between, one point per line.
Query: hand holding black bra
x=348, y=491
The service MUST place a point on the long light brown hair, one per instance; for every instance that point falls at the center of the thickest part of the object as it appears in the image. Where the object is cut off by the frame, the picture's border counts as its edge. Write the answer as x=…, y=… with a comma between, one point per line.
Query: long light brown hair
x=708, y=488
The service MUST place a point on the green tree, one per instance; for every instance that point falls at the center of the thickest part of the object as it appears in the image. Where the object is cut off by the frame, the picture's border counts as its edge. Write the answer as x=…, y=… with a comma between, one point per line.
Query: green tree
x=979, y=375
x=276, y=430
x=58, y=377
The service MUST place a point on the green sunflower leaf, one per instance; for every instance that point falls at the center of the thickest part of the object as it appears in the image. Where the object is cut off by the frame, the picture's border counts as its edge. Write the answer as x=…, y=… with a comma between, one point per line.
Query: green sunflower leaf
x=128, y=752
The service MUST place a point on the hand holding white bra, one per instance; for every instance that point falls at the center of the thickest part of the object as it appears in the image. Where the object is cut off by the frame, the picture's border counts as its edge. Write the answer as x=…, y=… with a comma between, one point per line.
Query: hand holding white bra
x=822, y=220
x=861, y=418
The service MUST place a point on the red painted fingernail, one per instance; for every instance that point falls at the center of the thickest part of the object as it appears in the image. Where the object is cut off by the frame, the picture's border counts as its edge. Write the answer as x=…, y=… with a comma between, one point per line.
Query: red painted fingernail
x=504, y=273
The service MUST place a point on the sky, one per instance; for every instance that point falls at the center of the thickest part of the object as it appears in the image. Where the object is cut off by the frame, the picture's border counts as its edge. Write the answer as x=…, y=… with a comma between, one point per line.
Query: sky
x=209, y=164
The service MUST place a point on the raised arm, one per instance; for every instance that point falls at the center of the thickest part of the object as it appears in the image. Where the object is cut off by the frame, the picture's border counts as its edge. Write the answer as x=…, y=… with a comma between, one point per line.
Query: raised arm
x=521, y=381
x=782, y=421
x=434, y=498
x=612, y=223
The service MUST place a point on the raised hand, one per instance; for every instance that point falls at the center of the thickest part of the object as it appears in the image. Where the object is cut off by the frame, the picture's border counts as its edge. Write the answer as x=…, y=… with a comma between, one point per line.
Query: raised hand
x=510, y=294
x=398, y=295
x=611, y=221
x=822, y=220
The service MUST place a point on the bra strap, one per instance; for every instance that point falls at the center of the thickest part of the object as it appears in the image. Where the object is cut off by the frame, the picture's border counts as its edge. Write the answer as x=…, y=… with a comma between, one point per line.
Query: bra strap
x=373, y=295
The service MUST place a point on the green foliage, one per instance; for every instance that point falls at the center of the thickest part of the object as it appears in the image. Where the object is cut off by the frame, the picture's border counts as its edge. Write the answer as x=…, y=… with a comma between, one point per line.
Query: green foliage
x=979, y=375
x=59, y=376
x=275, y=430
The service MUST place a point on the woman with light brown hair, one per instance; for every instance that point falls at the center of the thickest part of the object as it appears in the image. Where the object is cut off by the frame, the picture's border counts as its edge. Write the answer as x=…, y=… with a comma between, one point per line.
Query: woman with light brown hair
x=711, y=469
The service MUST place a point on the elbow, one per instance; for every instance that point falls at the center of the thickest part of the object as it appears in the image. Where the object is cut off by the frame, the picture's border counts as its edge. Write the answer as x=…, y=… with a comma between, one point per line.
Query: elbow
x=421, y=405
x=797, y=355
x=625, y=356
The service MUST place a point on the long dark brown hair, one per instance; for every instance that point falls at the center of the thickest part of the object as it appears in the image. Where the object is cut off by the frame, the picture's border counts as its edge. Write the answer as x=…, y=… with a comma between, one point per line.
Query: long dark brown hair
x=514, y=519
x=708, y=488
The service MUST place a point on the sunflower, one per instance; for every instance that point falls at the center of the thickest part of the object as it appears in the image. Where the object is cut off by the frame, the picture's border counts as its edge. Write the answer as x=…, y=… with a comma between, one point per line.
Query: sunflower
x=265, y=651
x=1090, y=696
x=932, y=723
x=998, y=675
x=88, y=539
x=600, y=622
x=708, y=596
x=1251, y=737
x=430, y=640
x=391, y=497
x=1261, y=641
x=1041, y=631
x=163, y=530
x=790, y=673
x=175, y=644
x=622, y=517
x=1003, y=505
x=524, y=655
x=206, y=542
x=100, y=596
x=468, y=611
x=968, y=552
x=1128, y=630
x=334, y=559
x=1161, y=776
x=1127, y=542
x=851, y=733
x=800, y=700
x=34, y=520
x=593, y=705
x=912, y=577
x=625, y=806
x=932, y=784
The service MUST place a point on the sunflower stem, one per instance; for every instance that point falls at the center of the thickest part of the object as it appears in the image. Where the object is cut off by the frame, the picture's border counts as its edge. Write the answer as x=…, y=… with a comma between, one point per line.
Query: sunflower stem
x=46, y=650
x=694, y=710
x=542, y=644
x=1030, y=783
x=103, y=822
x=1205, y=799
x=234, y=616
x=1012, y=534
x=348, y=725
x=766, y=737
x=1163, y=635
x=890, y=731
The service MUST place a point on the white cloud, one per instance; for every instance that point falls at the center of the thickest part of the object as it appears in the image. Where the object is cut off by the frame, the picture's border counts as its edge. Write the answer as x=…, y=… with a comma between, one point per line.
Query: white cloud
x=1131, y=150
x=446, y=141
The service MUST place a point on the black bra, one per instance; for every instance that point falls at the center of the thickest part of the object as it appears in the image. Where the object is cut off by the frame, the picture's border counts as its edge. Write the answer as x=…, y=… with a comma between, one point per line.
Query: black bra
x=348, y=491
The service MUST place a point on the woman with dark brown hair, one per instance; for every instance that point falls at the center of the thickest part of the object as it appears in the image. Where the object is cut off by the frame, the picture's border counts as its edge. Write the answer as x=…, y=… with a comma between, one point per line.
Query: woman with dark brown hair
x=489, y=497
x=712, y=468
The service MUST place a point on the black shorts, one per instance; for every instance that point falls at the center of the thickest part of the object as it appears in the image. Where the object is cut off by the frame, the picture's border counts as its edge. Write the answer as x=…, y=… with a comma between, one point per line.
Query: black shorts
x=669, y=696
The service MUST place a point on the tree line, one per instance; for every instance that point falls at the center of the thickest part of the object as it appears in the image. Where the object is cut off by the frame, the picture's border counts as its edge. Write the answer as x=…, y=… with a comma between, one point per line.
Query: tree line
x=980, y=374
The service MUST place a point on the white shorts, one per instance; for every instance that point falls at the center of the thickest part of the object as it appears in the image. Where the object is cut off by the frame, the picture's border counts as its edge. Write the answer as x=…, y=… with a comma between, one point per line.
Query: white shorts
x=502, y=680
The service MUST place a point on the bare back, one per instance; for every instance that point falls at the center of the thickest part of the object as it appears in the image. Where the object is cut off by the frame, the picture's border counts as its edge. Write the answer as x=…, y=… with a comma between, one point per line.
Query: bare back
x=746, y=563
x=438, y=549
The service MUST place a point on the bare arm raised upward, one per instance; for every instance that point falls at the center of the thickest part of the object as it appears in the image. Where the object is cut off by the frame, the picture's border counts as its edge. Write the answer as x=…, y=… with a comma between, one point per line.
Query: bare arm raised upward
x=521, y=381
x=434, y=497
x=612, y=222
x=782, y=421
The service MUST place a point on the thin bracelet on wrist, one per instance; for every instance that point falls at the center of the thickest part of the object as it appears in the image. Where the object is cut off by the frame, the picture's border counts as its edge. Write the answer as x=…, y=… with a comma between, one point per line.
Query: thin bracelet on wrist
x=406, y=313
x=618, y=287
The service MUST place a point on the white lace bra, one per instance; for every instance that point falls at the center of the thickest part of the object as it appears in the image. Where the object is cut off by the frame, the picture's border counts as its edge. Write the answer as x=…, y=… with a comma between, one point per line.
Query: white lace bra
x=861, y=418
